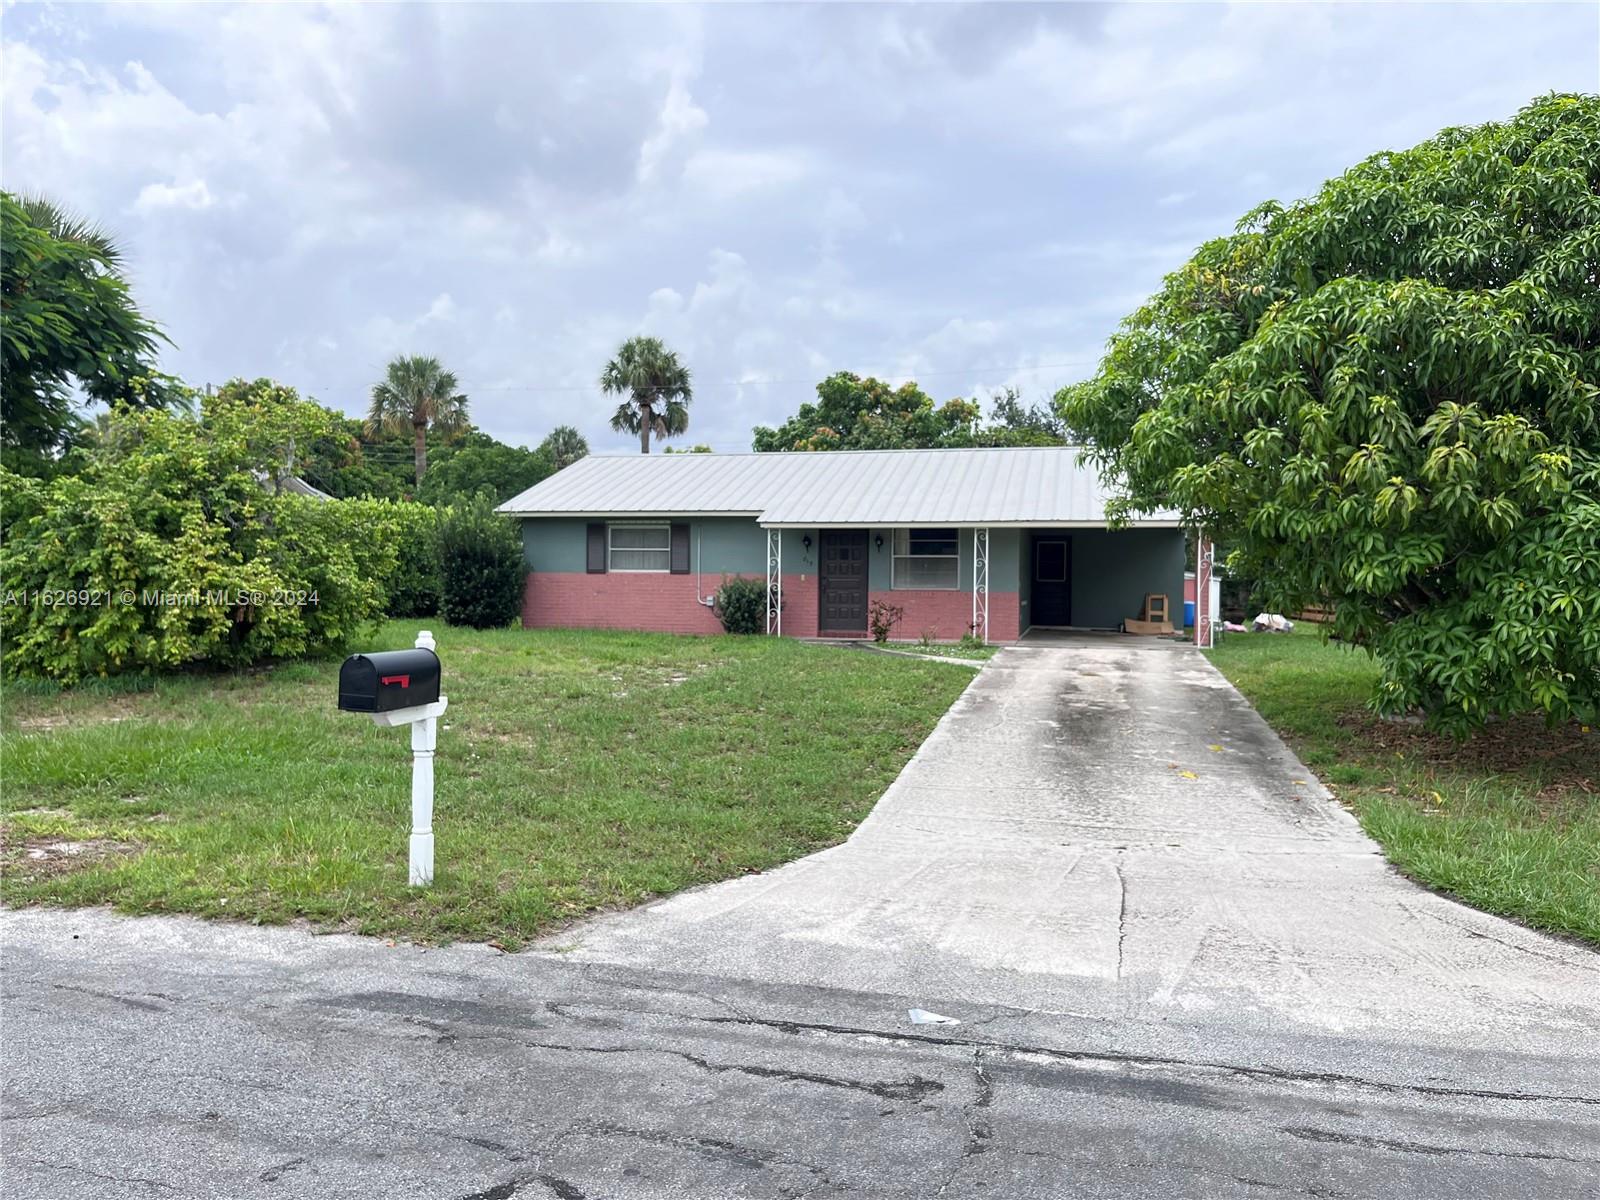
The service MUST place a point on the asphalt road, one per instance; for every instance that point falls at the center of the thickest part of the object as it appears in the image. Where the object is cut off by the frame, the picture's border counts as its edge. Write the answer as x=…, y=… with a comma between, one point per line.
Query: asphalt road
x=167, y=1058
x=1166, y=986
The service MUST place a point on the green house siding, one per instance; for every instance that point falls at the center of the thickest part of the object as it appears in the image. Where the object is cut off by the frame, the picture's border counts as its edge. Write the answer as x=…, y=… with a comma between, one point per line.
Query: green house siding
x=1113, y=570
x=717, y=545
x=737, y=545
x=554, y=544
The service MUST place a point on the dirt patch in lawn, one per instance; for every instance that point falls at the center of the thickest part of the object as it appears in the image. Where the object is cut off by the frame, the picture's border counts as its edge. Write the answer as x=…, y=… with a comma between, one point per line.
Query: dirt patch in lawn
x=1565, y=758
x=49, y=722
x=39, y=857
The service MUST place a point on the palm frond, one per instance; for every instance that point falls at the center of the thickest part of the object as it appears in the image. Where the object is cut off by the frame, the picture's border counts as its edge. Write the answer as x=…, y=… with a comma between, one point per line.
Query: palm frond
x=67, y=226
x=654, y=381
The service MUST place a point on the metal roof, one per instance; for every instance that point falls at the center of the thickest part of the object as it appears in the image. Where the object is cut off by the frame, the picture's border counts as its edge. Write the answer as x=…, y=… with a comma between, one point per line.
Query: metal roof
x=1032, y=485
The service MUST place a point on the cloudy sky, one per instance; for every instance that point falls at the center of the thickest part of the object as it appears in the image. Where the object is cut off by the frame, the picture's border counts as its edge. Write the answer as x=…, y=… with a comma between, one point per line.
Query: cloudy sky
x=971, y=196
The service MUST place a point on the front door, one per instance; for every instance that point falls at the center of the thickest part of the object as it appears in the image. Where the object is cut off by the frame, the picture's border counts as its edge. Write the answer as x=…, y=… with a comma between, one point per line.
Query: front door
x=842, y=584
x=1052, y=581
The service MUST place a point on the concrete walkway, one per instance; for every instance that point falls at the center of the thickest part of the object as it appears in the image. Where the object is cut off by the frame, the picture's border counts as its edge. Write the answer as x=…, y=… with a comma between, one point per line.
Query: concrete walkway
x=1102, y=826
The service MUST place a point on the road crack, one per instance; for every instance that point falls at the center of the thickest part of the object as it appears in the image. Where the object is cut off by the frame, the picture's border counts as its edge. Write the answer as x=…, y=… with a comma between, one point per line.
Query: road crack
x=1309, y=1134
x=1283, y=1074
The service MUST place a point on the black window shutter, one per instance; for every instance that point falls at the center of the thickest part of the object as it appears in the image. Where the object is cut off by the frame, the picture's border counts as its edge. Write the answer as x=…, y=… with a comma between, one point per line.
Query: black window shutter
x=597, y=549
x=680, y=549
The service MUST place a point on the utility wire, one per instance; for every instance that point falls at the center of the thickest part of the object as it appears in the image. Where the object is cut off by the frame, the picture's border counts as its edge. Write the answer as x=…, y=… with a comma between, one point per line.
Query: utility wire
x=769, y=382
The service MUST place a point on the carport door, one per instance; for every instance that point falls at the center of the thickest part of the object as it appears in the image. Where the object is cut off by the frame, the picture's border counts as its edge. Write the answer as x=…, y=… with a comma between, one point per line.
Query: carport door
x=842, y=583
x=1052, y=581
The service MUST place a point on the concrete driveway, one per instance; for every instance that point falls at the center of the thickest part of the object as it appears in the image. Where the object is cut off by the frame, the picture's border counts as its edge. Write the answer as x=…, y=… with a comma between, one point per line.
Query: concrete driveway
x=1178, y=971
x=1102, y=825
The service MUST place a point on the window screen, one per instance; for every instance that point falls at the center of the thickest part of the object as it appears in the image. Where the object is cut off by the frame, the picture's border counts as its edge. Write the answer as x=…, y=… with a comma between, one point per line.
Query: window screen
x=927, y=558
x=641, y=547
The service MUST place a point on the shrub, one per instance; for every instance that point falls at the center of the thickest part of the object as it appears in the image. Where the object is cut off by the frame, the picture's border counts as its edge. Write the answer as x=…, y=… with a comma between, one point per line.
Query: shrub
x=173, y=547
x=415, y=587
x=742, y=605
x=882, y=618
x=480, y=565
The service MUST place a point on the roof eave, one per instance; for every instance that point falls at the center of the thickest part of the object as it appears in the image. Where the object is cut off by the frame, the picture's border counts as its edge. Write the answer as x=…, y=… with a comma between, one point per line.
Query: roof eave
x=935, y=522
x=659, y=514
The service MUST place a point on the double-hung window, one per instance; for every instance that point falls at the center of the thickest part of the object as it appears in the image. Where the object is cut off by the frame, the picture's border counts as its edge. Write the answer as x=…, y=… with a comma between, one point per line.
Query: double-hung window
x=927, y=558
x=639, y=548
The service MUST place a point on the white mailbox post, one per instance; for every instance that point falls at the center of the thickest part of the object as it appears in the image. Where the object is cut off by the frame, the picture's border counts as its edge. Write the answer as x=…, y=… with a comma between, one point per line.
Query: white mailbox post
x=424, y=722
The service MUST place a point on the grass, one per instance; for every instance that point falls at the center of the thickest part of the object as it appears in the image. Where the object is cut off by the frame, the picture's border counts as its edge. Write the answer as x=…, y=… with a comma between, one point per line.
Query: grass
x=1508, y=821
x=965, y=651
x=576, y=772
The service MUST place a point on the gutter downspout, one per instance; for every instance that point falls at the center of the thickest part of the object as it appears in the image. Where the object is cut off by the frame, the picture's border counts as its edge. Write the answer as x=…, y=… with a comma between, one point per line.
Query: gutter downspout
x=699, y=587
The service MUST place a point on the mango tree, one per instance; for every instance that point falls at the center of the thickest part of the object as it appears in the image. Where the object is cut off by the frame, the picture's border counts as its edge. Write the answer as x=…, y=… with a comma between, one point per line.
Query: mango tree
x=1383, y=399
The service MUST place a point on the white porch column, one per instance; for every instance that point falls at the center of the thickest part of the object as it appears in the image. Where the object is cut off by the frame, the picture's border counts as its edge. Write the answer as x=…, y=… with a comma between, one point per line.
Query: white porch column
x=980, y=584
x=775, y=581
x=1204, y=618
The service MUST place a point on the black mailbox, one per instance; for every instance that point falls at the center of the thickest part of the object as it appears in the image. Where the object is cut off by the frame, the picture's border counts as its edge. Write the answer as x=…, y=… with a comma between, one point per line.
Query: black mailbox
x=387, y=680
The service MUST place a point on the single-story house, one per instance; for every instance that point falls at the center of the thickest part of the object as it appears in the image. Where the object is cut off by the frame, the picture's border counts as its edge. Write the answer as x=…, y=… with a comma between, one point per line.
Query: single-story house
x=992, y=541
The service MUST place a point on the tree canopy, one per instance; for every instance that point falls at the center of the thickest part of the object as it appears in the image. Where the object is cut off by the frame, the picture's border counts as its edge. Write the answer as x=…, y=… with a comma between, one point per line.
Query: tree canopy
x=565, y=446
x=477, y=464
x=1384, y=399
x=852, y=413
x=656, y=389
x=67, y=321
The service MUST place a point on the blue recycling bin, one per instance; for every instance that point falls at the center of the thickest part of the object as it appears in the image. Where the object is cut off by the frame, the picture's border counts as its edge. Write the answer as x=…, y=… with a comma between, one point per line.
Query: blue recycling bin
x=1188, y=613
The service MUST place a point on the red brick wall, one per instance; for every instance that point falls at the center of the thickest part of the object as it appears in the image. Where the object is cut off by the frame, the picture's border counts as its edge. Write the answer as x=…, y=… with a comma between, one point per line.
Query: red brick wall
x=649, y=600
x=946, y=615
x=800, y=606
x=666, y=603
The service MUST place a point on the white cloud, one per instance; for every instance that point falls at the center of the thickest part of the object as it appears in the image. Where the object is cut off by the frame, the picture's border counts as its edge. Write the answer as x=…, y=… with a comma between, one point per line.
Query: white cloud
x=193, y=195
x=681, y=118
x=727, y=175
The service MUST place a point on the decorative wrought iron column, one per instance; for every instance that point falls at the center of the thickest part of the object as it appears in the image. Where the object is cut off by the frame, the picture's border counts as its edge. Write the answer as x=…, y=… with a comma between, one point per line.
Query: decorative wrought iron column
x=775, y=581
x=1204, y=618
x=980, y=584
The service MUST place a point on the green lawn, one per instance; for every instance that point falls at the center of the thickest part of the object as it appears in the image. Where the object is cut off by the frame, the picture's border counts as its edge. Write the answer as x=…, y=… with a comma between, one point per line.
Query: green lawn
x=576, y=772
x=1508, y=821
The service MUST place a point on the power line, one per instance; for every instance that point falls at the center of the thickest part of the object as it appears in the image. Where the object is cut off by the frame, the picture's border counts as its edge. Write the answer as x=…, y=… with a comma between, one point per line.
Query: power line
x=518, y=387
x=769, y=382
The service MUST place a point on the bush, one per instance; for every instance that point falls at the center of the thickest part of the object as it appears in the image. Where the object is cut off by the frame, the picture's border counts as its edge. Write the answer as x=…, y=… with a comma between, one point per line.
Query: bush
x=882, y=618
x=415, y=588
x=742, y=605
x=480, y=566
x=173, y=547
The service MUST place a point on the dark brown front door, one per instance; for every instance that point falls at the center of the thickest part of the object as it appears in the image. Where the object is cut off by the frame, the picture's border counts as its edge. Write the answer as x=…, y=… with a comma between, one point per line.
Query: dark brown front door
x=1052, y=581
x=842, y=583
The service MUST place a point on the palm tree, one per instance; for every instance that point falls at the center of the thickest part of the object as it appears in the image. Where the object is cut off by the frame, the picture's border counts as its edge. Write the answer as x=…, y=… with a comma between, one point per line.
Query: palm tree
x=657, y=388
x=565, y=445
x=417, y=393
x=66, y=226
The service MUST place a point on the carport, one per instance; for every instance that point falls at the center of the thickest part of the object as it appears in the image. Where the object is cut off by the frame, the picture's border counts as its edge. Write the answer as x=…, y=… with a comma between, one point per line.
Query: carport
x=1085, y=576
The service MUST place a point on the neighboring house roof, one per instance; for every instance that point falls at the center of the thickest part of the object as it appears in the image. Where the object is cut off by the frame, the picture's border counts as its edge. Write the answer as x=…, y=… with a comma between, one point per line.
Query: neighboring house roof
x=299, y=487
x=292, y=484
x=1032, y=485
